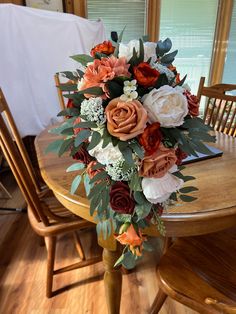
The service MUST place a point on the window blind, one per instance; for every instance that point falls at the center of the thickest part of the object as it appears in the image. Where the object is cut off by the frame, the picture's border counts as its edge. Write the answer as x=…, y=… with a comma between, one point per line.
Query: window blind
x=191, y=27
x=118, y=14
x=229, y=75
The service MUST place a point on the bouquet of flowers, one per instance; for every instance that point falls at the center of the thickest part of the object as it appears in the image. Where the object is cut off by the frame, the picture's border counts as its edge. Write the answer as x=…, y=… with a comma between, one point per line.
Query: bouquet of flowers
x=130, y=122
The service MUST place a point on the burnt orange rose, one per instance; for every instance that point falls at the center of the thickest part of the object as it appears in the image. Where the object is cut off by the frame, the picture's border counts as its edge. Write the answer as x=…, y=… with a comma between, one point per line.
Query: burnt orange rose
x=145, y=75
x=125, y=120
x=92, y=172
x=193, y=104
x=157, y=164
x=105, y=48
x=131, y=238
x=151, y=138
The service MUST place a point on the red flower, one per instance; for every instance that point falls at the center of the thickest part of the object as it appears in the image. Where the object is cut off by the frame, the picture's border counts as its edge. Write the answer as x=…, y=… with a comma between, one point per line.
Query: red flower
x=151, y=138
x=145, y=75
x=70, y=104
x=82, y=156
x=90, y=171
x=120, y=199
x=180, y=154
x=105, y=48
x=193, y=104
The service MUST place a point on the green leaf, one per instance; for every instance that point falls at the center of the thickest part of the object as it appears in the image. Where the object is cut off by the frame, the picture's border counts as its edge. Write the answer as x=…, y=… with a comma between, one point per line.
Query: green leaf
x=54, y=146
x=75, y=184
x=140, y=198
x=69, y=75
x=187, y=198
x=116, y=52
x=96, y=189
x=129, y=260
x=59, y=129
x=105, y=198
x=143, y=210
x=122, y=145
x=141, y=51
x=75, y=167
x=137, y=148
x=114, y=140
x=86, y=124
x=173, y=196
x=147, y=246
x=188, y=189
x=87, y=185
x=135, y=182
x=96, y=138
x=163, y=47
x=182, y=81
x=169, y=58
x=161, y=81
x=99, y=176
x=68, y=87
x=119, y=261
x=96, y=91
x=81, y=137
x=82, y=58
x=128, y=156
x=97, y=166
x=68, y=131
x=202, y=148
x=123, y=218
x=94, y=203
x=184, y=178
x=115, y=89
x=69, y=112
x=65, y=146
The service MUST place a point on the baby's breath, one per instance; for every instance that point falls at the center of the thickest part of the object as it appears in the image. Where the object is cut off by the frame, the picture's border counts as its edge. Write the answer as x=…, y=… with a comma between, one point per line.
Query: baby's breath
x=116, y=171
x=92, y=108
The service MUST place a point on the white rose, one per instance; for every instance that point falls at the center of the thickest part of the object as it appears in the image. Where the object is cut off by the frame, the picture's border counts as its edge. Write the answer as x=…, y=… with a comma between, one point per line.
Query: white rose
x=166, y=105
x=126, y=50
x=158, y=190
x=107, y=155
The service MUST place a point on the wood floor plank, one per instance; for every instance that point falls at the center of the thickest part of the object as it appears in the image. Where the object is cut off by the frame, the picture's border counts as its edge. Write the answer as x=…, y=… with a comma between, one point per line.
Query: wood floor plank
x=23, y=274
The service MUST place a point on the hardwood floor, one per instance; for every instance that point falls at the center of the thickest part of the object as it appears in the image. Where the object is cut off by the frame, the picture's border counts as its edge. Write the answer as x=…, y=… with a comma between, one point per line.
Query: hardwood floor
x=23, y=274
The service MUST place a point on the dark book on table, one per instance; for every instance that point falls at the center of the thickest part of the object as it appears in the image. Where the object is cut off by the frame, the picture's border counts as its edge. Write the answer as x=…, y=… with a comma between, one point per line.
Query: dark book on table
x=215, y=153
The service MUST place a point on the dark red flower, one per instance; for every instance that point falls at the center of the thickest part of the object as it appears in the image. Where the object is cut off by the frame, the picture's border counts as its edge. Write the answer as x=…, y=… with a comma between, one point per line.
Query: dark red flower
x=193, y=104
x=82, y=156
x=180, y=154
x=120, y=199
x=145, y=75
x=151, y=138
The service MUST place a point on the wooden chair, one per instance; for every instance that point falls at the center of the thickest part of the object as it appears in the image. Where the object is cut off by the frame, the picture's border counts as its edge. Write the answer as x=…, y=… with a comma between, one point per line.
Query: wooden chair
x=200, y=272
x=47, y=216
x=60, y=91
x=220, y=110
x=4, y=108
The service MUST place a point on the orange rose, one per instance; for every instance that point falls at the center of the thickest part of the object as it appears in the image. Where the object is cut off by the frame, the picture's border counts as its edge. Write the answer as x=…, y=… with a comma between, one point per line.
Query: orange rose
x=131, y=238
x=105, y=48
x=145, y=75
x=151, y=138
x=157, y=164
x=125, y=120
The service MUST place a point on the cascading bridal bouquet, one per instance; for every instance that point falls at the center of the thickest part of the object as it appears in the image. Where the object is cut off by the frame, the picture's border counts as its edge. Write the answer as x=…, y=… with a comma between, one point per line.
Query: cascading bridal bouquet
x=130, y=122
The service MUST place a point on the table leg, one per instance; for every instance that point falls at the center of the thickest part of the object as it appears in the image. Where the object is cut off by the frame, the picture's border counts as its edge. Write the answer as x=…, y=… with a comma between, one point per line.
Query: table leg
x=112, y=281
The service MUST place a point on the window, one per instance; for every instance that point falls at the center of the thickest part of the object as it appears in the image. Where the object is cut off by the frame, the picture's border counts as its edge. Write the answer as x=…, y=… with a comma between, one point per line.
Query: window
x=118, y=14
x=191, y=28
x=229, y=75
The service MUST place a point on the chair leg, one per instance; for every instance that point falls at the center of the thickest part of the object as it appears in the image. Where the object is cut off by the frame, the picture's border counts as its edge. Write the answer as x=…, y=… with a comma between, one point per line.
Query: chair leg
x=158, y=302
x=51, y=248
x=78, y=245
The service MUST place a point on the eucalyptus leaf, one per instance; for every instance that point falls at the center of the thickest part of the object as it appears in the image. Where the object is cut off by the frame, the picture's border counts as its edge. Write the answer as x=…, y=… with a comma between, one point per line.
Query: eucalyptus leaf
x=119, y=261
x=96, y=91
x=128, y=156
x=69, y=112
x=116, y=52
x=87, y=185
x=169, y=58
x=129, y=260
x=54, y=146
x=69, y=75
x=96, y=138
x=82, y=58
x=75, y=184
x=99, y=176
x=86, y=124
x=81, y=137
x=68, y=87
x=188, y=189
x=143, y=210
x=75, y=167
x=65, y=146
x=187, y=198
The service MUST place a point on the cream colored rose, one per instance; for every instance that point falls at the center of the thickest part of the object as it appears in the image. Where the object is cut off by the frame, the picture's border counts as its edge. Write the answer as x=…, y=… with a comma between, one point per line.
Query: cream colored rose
x=166, y=105
x=158, y=190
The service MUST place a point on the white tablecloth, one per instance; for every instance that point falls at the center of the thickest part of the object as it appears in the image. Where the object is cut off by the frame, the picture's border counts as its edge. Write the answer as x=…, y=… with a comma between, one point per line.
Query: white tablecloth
x=34, y=45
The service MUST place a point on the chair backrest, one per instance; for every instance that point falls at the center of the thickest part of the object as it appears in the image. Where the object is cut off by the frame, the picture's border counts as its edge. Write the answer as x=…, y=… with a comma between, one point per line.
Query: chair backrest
x=4, y=108
x=220, y=110
x=60, y=91
x=20, y=172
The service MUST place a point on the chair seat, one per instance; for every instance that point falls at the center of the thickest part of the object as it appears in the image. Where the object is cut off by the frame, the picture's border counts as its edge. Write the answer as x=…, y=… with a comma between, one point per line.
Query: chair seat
x=198, y=268
x=60, y=219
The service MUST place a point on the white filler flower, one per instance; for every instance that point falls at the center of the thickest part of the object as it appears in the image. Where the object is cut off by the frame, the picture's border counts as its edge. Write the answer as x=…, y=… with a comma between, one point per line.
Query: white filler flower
x=93, y=110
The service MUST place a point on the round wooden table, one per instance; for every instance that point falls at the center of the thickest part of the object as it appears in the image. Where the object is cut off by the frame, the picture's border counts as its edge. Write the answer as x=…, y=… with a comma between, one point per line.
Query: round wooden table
x=214, y=210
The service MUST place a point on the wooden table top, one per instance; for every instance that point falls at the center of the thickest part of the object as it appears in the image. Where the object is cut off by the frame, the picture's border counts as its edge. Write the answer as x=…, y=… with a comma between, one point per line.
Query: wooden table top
x=214, y=210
